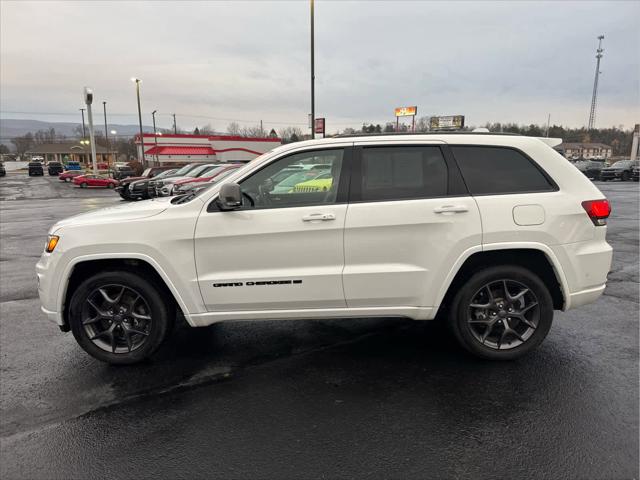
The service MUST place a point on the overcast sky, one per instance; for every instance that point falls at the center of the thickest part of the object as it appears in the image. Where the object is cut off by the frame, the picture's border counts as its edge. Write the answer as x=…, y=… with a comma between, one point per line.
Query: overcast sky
x=213, y=62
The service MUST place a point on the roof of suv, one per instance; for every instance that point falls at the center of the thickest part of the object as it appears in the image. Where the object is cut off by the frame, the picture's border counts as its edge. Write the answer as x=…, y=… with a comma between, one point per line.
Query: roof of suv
x=468, y=138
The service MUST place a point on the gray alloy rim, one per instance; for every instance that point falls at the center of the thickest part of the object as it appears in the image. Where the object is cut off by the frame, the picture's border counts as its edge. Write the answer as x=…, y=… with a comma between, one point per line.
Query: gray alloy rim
x=116, y=318
x=503, y=314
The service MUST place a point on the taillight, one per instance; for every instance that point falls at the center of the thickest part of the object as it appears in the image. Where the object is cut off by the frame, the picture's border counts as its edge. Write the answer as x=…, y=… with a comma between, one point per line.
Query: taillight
x=598, y=211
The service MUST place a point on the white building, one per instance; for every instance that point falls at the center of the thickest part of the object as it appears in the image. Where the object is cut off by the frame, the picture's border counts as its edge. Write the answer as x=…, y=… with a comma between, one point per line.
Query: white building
x=182, y=148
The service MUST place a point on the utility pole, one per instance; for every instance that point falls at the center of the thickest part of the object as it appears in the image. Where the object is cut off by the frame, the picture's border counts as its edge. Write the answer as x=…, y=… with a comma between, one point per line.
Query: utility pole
x=594, y=97
x=313, y=79
x=548, y=123
x=141, y=156
x=88, y=100
x=84, y=130
x=155, y=136
x=175, y=125
x=106, y=135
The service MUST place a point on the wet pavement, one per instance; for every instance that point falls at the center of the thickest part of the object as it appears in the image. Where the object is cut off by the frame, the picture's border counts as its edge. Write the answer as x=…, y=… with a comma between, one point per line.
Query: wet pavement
x=334, y=399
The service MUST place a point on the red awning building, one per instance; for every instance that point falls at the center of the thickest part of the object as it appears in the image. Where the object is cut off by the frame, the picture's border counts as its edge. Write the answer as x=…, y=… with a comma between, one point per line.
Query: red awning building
x=168, y=149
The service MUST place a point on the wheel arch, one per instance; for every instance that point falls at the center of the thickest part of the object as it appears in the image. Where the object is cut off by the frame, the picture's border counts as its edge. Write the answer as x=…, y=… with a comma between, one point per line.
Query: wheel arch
x=537, y=258
x=83, y=267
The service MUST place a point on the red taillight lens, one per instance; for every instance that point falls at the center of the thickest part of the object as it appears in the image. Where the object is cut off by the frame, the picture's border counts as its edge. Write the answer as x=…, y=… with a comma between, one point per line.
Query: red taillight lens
x=598, y=211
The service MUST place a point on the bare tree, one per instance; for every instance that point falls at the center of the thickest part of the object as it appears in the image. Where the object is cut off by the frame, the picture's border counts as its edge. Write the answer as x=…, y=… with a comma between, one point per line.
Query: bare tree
x=290, y=134
x=23, y=143
x=233, y=128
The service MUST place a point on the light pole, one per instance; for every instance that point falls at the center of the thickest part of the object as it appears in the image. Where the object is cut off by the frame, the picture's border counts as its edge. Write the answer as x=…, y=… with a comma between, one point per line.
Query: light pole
x=84, y=131
x=155, y=136
x=141, y=155
x=175, y=126
x=115, y=149
x=106, y=135
x=88, y=100
x=313, y=79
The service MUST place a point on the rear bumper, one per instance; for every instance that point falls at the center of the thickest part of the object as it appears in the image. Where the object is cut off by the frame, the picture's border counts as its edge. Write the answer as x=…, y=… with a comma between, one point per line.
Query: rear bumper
x=585, y=266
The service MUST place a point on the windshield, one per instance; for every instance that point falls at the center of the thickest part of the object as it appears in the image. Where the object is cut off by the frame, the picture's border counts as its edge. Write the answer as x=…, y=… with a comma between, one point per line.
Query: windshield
x=184, y=170
x=196, y=172
x=621, y=164
x=166, y=173
x=211, y=171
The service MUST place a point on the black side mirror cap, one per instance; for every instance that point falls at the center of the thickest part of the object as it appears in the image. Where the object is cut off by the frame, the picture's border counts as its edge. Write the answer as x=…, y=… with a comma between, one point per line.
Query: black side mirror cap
x=230, y=197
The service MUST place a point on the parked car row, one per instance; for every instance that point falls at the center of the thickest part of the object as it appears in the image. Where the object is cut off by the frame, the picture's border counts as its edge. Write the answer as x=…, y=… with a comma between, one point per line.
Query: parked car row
x=621, y=170
x=165, y=181
x=192, y=178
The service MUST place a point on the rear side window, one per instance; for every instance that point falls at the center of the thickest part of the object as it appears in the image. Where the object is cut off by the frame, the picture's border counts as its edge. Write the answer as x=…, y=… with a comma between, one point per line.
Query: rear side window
x=495, y=170
x=396, y=173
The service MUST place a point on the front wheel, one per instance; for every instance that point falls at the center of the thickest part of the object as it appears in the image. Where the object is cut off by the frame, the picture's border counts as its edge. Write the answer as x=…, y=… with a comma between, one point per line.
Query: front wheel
x=83, y=185
x=625, y=176
x=120, y=317
x=502, y=313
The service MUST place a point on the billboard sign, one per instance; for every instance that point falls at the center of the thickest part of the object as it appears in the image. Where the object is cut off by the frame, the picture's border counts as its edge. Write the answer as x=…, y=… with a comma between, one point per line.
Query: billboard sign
x=319, y=127
x=450, y=122
x=406, y=111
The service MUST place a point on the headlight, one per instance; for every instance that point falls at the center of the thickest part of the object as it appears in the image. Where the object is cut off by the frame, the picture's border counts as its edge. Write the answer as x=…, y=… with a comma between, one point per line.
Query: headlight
x=52, y=241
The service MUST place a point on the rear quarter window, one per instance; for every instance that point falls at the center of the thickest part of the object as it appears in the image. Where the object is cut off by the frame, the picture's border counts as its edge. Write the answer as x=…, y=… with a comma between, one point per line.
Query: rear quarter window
x=499, y=170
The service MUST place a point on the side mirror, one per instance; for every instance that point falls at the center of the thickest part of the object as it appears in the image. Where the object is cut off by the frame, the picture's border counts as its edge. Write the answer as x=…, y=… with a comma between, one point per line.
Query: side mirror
x=230, y=196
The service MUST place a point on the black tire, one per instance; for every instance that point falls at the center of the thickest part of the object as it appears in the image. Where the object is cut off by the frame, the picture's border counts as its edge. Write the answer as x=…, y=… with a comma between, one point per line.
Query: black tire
x=109, y=185
x=625, y=176
x=162, y=313
x=83, y=185
x=461, y=305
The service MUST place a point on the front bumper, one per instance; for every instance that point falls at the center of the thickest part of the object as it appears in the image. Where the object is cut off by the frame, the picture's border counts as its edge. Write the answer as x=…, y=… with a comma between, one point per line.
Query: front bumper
x=610, y=175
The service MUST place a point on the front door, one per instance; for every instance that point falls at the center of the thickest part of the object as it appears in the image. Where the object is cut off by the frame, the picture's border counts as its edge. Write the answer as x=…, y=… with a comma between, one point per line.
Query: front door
x=283, y=249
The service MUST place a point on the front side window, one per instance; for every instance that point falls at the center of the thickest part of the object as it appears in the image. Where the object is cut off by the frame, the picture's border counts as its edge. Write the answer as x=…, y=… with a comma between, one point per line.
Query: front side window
x=498, y=170
x=403, y=172
x=285, y=184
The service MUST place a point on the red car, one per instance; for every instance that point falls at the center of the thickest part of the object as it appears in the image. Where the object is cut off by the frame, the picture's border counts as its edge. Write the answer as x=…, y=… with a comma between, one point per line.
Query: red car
x=183, y=185
x=69, y=175
x=85, y=181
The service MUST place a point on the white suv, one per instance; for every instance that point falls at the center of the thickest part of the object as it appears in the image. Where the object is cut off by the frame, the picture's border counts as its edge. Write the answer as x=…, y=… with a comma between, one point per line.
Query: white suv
x=490, y=232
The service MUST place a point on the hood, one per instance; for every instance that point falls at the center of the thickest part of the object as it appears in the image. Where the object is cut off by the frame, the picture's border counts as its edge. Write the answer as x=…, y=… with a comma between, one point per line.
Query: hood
x=131, y=179
x=119, y=213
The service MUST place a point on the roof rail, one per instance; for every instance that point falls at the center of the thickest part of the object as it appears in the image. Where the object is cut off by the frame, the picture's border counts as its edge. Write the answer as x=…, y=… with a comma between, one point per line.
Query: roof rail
x=440, y=132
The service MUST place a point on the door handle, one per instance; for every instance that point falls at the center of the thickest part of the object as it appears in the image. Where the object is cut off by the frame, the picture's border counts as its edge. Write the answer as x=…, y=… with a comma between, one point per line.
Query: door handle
x=318, y=217
x=451, y=209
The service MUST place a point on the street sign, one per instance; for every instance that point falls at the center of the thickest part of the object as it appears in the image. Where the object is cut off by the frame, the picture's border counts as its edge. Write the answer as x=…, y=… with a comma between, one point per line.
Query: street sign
x=406, y=111
x=319, y=127
x=451, y=122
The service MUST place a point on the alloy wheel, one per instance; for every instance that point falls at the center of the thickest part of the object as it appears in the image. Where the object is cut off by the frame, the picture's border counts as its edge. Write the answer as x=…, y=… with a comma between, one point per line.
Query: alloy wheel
x=116, y=318
x=503, y=314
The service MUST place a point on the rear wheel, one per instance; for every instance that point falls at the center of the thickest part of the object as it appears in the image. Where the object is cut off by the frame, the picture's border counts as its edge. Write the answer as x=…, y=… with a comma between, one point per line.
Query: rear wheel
x=120, y=317
x=502, y=313
x=109, y=185
x=625, y=176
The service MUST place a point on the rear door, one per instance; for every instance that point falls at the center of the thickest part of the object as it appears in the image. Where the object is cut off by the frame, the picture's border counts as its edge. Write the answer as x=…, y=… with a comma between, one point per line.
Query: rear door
x=409, y=219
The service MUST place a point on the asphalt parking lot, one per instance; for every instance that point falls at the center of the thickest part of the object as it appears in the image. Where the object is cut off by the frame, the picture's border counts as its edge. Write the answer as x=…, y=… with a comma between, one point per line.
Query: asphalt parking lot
x=375, y=398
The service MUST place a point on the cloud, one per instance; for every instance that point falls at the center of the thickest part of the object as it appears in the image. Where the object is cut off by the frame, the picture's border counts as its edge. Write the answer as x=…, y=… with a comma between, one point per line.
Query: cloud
x=492, y=61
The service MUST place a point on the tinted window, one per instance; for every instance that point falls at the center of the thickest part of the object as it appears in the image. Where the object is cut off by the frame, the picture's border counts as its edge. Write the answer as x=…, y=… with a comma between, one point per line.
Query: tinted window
x=394, y=173
x=493, y=170
x=268, y=189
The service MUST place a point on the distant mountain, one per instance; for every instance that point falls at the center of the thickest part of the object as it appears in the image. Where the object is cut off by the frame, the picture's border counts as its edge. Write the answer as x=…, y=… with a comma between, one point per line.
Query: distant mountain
x=10, y=128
